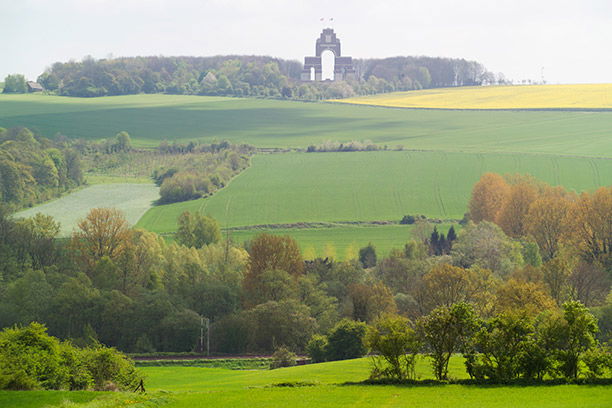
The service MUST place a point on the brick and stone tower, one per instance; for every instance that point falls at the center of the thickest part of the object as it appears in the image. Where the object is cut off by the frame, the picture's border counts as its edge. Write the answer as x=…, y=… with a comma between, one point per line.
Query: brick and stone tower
x=343, y=66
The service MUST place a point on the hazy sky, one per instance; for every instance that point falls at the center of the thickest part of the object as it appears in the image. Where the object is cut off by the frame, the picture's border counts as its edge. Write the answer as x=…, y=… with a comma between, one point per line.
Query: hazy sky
x=571, y=40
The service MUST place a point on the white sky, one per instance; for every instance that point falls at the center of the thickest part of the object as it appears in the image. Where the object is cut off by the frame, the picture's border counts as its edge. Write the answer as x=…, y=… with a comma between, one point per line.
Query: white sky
x=571, y=40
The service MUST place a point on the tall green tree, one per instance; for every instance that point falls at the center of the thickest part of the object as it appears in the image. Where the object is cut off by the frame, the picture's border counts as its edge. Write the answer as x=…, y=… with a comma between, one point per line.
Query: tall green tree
x=197, y=230
x=445, y=331
x=15, y=83
x=577, y=337
x=395, y=345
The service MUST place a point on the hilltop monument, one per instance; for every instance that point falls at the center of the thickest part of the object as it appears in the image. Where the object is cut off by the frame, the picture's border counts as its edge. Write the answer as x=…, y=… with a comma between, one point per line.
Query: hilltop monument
x=343, y=66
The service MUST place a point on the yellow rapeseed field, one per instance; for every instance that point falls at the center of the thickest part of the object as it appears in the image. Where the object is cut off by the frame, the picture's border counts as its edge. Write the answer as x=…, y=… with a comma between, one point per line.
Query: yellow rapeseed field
x=584, y=96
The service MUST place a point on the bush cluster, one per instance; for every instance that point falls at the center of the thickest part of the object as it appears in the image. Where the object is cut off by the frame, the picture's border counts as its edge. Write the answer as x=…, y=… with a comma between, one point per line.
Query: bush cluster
x=344, y=341
x=353, y=146
x=283, y=357
x=508, y=347
x=200, y=176
x=31, y=359
x=558, y=345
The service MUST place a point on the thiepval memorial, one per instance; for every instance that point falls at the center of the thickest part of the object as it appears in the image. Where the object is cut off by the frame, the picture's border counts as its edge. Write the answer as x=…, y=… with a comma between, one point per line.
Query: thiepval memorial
x=313, y=66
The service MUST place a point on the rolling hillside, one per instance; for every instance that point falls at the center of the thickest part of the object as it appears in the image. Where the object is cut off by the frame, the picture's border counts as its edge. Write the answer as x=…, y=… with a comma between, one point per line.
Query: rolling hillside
x=446, y=152
x=368, y=186
x=150, y=119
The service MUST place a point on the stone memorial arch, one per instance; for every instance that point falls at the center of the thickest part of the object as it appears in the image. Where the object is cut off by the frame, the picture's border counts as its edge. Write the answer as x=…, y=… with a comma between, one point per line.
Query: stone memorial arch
x=343, y=66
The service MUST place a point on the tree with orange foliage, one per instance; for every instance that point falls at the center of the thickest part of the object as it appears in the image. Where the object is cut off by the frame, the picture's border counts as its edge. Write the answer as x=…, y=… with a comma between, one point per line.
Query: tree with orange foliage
x=547, y=221
x=511, y=217
x=488, y=195
x=444, y=285
x=371, y=301
x=103, y=232
x=271, y=253
x=528, y=297
x=556, y=273
x=592, y=226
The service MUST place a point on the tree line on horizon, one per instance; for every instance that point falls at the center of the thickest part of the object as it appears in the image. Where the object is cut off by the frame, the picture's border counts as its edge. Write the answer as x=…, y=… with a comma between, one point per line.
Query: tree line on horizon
x=253, y=76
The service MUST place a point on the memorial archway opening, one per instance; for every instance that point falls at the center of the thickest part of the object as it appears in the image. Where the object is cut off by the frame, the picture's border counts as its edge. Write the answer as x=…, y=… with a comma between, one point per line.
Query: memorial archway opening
x=328, y=64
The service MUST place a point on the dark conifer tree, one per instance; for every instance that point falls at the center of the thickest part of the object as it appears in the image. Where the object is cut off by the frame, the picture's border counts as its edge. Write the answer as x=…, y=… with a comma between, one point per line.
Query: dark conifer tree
x=451, y=236
x=433, y=241
x=441, y=248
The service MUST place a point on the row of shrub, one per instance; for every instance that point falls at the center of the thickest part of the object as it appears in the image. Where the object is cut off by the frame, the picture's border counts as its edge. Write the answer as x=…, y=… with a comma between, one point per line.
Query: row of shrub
x=507, y=347
x=199, y=177
x=31, y=359
x=353, y=146
x=257, y=363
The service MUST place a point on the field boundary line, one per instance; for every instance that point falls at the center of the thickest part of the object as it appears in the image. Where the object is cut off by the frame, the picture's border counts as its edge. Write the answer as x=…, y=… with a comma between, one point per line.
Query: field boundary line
x=370, y=105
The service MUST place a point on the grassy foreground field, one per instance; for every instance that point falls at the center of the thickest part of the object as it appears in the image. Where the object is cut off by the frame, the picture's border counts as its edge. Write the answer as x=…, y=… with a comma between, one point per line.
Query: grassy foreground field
x=582, y=96
x=368, y=186
x=132, y=199
x=270, y=123
x=182, y=387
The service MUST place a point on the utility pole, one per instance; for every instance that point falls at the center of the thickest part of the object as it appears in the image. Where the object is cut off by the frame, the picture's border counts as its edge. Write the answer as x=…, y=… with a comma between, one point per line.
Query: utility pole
x=207, y=337
x=201, y=334
x=202, y=318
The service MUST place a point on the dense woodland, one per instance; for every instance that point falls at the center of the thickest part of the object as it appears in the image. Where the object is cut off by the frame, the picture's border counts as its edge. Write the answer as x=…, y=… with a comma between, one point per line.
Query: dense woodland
x=253, y=76
x=35, y=169
x=132, y=289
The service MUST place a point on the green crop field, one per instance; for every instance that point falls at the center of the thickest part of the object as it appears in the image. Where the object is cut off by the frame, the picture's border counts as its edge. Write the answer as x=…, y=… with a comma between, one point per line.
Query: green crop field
x=132, y=199
x=339, y=241
x=322, y=386
x=449, y=150
x=368, y=186
x=270, y=123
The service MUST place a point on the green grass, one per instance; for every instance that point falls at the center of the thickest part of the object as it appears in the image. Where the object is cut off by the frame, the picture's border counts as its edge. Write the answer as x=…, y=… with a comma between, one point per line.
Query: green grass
x=269, y=123
x=35, y=399
x=223, y=388
x=178, y=387
x=132, y=199
x=332, y=373
x=80, y=399
x=450, y=396
x=368, y=186
x=316, y=242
